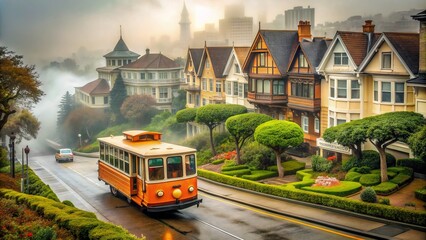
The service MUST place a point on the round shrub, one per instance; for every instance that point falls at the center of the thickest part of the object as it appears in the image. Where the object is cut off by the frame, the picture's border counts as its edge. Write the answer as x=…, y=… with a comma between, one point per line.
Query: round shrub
x=353, y=176
x=384, y=201
x=369, y=195
x=370, y=179
x=257, y=156
x=320, y=164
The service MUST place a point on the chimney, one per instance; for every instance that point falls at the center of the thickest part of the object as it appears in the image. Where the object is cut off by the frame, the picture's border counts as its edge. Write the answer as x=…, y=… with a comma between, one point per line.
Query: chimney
x=304, y=30
x=421, y=17
x=147, y=51
x=368, y=27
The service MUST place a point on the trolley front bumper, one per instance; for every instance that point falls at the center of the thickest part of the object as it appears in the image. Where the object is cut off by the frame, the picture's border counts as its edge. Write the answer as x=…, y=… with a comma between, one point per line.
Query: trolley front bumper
x=175, y=206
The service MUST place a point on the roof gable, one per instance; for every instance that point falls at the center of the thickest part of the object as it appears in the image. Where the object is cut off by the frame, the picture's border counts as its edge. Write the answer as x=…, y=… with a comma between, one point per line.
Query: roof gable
x=238, y=55
x=313, y=52
x=194, y=55
x=121, y=50
x=218, y=58
x=99, y=86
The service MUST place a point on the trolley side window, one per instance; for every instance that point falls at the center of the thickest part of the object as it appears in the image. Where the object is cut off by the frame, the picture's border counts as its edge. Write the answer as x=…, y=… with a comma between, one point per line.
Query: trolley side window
x=156, y=169
x=190, y=164
x=102, y=151
x=174, y=167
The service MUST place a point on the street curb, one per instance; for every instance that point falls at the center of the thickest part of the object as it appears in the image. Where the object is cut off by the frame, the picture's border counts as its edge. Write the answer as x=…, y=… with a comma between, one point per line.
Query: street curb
x=332, y=225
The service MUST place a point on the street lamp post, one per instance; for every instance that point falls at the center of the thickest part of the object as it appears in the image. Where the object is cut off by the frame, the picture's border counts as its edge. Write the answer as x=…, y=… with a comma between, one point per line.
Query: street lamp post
x=22, y=172
x=12, y=149
x=79, y=136
x=27, y=150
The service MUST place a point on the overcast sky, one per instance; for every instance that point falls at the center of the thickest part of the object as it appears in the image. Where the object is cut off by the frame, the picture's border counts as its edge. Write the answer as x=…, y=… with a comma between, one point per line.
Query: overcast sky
x=45, y=29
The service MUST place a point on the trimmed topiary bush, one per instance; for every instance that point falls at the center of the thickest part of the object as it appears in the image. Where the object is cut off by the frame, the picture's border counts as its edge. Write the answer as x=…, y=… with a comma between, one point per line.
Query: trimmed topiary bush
x=257, y=175
x=290, y=167
x=369, y=195
x=342, y=190
x=234, y=167
x=384, y=201
x=418, y=165
x=421, y=194
x=353, y=176
x=362, y=170
x=385, y=188
x=403, y=170
x=238, y=173
x=401, y=179
x=369, y=179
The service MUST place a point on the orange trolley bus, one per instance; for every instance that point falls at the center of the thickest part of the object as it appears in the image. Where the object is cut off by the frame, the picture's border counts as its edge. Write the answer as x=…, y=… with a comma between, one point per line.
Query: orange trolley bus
x=157, y=176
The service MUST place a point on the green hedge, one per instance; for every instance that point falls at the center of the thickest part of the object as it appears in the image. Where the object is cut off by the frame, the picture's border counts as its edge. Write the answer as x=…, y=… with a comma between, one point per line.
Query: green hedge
x=345, y=188
x=238, y=173
x=401, y=179
x=218, y=161
x=302, y=174
x=421, y=194
x=232, y=168
x=83, y=224
x=390, y=173
x=418, y=165
x=353, y=176
x=385, y=188
x=403, y=170
x=257, y=175
x=372, y=209
x=369, y=179
x=290, y=167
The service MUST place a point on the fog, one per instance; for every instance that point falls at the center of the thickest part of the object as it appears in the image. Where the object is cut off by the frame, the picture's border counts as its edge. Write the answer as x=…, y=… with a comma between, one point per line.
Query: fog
x=44, y=30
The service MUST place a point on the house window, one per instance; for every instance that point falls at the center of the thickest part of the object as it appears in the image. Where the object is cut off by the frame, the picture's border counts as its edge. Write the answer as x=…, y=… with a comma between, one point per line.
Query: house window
x=305, y=90
x=331, y=122
x=240, y=90
x=235, y=88
x=340, y=59
x=302, y=61
x=332, y=88
x=263, y=86
x=253, y=85
x=119, y=62
x=317, y=125
x=237, y=68
x=204, y=102
x=386, y=60
x=142, y=75
x=386, y=91
x=341, y=88
x=399, y=92
x=262, y=59
x=93, y=100
x=228, y=88
x=278, y=87
x=245, y=90
x=341, y=121
x=355, y=92
x=207, y=63
x=305, y=124
x=164, y=92
x=376, y=91
x=113, y=62
x=151, y=75
x=204, y=84
x=153, y=92
x=211, y=84
x=218, y=87
x=162, y=75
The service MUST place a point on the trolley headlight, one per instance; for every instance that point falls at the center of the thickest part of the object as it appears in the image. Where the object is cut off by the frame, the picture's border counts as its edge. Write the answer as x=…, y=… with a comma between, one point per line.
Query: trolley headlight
x=191, y=189
x=160, y=193
x=177, y=193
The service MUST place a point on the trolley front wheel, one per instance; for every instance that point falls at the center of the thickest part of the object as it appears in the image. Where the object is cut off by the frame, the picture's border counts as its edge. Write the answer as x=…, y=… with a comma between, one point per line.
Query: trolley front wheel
x=114, y=191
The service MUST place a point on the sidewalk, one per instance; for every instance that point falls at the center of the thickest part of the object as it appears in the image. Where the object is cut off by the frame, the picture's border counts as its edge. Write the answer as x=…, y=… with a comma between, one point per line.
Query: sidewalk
x=347, y=221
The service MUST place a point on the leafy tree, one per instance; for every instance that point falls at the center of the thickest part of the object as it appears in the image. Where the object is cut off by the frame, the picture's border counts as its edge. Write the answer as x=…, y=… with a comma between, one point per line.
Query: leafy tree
x=279, y=135
x=179, y=102
x=139, y=108
x=242, y=126
x=24, y=124
x=19, y=86
x=186, y=115
x=65, y=107
x=213, y=115
x=389, y=128
x=417, y=143
x=351, y=134
x=85, y=121
x=117, y=96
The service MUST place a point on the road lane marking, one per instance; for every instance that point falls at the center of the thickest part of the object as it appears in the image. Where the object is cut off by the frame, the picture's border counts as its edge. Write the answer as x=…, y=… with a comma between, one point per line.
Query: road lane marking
x=281, y=217
x=81, y=174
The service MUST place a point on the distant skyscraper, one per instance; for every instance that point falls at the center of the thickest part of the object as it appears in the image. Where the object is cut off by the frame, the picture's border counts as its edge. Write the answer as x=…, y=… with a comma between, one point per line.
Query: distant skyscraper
x=185, y=23
x=293, y=16
x=235, y=28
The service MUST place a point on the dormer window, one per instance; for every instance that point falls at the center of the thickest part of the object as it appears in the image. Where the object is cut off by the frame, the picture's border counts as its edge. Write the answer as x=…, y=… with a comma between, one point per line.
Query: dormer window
x=340, y=59
x=302, y=61
x=237, y=68
x=207, y=64
x=386, y=60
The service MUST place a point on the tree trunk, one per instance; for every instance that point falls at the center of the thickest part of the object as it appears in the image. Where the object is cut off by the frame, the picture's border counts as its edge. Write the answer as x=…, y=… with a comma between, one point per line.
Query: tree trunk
x=383, y=165
x=237, y=148
x=279, y=165
x=212, y=143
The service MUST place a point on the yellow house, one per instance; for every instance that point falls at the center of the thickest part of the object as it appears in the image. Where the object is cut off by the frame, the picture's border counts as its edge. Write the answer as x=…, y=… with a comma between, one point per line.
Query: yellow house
x=193, y=84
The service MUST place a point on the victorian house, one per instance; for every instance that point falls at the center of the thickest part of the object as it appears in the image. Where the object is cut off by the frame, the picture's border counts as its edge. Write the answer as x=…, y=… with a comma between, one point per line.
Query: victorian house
x=193, y=83
x=236, y=84
x=94, y=94
x=156, y=75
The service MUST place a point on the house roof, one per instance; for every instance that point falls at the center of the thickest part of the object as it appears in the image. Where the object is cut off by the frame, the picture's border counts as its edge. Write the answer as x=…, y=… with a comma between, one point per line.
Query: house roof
x=241, y=53
x=99, y=86
x=421, y=16
x=196, y=54
x=152, y=61
x=121, y=50
x=281, y=45
x=420, y=80
x=357, y=44
x=315, y=50
x=407, y=46
x=218, y=57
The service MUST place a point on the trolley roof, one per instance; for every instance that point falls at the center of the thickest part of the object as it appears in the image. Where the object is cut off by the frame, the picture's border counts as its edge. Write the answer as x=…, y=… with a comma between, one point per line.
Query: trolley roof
x=145, y=148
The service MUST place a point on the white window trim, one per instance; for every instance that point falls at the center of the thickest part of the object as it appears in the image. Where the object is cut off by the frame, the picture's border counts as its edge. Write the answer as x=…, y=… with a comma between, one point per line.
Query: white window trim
x=392, y=82
x=348, y=89
x=317, y=125
x=305, y=125
x=381, y=60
